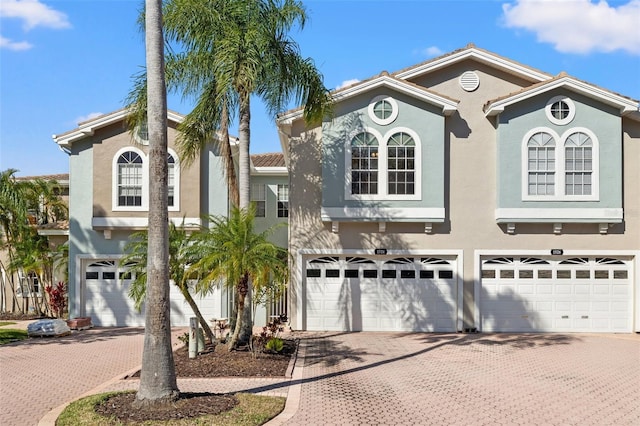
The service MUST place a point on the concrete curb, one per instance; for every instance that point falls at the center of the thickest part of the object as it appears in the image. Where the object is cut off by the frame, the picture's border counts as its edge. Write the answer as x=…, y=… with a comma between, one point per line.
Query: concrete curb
x=293, y=395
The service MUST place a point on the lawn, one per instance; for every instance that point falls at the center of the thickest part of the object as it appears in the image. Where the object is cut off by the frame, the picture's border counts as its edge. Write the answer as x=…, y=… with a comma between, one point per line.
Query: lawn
x=8, y=335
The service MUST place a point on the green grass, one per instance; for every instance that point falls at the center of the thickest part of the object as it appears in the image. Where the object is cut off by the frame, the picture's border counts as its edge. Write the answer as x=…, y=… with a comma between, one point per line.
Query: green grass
x=252, y=410
x=8, y=335
x=3, y=323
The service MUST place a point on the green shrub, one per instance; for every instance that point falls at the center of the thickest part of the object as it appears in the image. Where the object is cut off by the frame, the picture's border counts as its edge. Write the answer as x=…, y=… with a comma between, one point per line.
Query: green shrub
x=275, y=344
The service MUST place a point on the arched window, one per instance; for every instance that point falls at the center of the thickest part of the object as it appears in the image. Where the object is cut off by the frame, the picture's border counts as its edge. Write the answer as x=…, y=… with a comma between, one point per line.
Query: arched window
x=541, y=156
x=578, y=158
x=171, y=170
x=364, y=164
x=129, y=179
x=401, y=167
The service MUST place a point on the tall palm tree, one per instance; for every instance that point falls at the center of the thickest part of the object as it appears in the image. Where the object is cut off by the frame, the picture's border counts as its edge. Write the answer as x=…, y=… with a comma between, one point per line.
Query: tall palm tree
x=180, y=258
x=232, y=252
x=158, y=382
x=231, y=51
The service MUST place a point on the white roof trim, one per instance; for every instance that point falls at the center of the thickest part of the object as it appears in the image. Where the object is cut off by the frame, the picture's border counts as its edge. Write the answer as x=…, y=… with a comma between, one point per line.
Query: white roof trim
x=626, y=106
x=269, y=170
x=88, y=128
x=481, y=56
x=386, y=214
x=564, y=215
x=448, y=106
x=139, y=222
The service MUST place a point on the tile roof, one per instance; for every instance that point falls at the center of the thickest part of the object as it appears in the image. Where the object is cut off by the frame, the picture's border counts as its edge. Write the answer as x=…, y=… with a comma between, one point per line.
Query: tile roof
x=58, y=177
x=272, y=159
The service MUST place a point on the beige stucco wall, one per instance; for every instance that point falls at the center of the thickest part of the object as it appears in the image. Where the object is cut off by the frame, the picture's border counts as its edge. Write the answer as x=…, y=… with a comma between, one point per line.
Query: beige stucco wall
x=470, y=194
x=111, y=139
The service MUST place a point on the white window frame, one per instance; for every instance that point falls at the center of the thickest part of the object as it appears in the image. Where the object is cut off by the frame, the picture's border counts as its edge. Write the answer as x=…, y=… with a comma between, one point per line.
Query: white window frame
x=279, y=200
x=383, y=171
x=145, y=181
x=560, y=121
x=560, y=172
x=383, y=121
x=144, y=204
x=176, y=181
x=258, y=189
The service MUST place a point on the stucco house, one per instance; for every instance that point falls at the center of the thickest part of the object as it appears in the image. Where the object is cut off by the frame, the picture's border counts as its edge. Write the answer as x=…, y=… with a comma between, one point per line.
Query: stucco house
x=468, y=192
x=108, y=201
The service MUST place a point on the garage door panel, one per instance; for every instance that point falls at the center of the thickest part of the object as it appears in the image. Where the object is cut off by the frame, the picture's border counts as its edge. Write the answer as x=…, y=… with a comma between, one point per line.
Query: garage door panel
x=577, y=294
x=381, y=294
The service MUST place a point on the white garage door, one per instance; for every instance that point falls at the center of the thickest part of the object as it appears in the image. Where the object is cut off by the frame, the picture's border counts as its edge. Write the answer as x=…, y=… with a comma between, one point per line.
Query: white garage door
x=578, y=294
x=106, y=300
x=381, y=294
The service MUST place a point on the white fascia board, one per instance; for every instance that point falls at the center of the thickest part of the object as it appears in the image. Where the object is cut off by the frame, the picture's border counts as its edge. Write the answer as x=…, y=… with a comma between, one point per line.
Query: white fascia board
x=476, y=54
x=50, y=232
x=138, y=222
x=270, y=171
x=386, y=214
x=626, y=106
x=565, y=215
x=448, y=106
x=88, y=128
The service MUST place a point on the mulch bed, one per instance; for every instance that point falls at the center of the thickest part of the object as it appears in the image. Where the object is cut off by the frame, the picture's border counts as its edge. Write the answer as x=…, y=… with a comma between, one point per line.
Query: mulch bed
x=220, y=362
x=188, y=405
x=213, y=362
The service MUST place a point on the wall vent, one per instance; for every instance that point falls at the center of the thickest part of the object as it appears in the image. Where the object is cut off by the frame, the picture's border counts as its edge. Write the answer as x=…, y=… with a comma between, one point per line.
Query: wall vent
x=469, y=81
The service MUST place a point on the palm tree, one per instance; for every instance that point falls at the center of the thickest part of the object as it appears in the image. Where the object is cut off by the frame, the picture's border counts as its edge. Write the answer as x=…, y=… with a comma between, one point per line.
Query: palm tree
x=158, y=382
x=232, y=252
x=233, y=50
x=180, y=257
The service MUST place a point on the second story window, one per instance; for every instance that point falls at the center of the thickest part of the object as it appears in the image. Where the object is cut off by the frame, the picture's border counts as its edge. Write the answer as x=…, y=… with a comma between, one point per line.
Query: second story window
x=283, y=200
x=401, y=165
x=560, y=167
x=578, y=157
x=364, y=164
x=541, y=164
x=129, y=179
x=171, y=166
x=259, y=197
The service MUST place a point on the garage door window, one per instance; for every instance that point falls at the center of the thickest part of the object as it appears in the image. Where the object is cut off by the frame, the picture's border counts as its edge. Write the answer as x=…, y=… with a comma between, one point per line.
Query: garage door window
x=389, y=273
x=408, y=274
x=426, y=274
x=445, y=275
x=370, y=273
x=91, y=275
x=351, y=273
x=332, y=273
x=313, y=273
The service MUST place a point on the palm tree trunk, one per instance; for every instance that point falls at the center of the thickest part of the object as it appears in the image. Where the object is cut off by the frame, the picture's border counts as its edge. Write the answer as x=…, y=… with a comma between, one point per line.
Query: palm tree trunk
x=242, y=292
x=245, y=326
x=196, y=311
x=158, y=382
x=232, y=178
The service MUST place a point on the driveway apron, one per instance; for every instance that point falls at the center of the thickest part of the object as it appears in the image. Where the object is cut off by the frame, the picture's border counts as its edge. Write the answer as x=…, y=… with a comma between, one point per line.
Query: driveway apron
x=476, y=379
x=39, y=374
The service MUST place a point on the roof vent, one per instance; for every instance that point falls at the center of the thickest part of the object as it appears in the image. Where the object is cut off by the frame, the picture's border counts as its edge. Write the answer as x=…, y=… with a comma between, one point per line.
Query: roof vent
x=469, y=81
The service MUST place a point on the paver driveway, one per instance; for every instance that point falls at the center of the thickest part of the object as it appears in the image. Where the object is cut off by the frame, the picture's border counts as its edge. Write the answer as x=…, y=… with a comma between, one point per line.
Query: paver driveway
x=367, y=378
x=37, y=375
x=445, y=379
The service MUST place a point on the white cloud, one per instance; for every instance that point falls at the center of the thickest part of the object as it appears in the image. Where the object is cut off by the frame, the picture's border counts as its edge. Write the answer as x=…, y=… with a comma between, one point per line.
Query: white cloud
x=578, y=26
x=347, y=83
x=34, y=14
x=5, y=43
x=88, y=117
x=432, y=51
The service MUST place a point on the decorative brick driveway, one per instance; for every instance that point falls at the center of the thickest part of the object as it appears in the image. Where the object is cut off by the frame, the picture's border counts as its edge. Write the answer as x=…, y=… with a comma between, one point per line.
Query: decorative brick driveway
x=368, y=378
x=479, y=379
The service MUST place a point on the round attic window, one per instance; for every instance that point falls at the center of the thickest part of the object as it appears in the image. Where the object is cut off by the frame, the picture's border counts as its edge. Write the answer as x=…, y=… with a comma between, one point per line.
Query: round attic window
x=469, y=81
x=383, y=110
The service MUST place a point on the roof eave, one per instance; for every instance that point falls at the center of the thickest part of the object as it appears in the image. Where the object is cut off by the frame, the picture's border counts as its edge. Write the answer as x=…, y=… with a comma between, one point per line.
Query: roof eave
x=624, y=105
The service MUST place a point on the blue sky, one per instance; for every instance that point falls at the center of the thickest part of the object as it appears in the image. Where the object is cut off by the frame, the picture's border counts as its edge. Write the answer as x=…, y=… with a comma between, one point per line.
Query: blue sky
x=63, y=61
